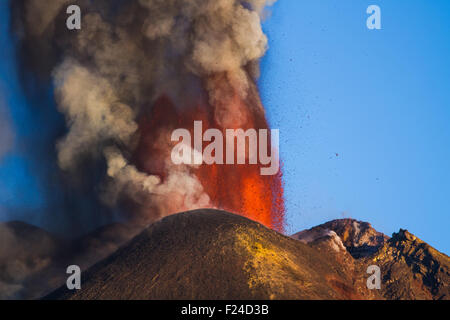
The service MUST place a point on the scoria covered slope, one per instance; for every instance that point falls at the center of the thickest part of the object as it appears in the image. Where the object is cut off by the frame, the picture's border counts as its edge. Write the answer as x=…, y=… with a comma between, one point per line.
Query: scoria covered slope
x=210, y=254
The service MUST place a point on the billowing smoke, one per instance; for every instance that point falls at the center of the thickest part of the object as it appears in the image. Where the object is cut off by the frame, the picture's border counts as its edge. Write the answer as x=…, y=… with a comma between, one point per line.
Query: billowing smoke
x=108, y=77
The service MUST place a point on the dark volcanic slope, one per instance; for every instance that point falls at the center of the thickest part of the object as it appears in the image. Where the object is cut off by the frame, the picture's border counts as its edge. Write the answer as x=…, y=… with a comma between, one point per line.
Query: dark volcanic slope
x=210, y=254
x=412, y=269
x=33, y=261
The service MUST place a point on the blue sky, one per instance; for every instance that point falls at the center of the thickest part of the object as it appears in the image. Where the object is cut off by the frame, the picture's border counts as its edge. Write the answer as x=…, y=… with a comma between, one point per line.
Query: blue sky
x=363, y=115
x=18, y=187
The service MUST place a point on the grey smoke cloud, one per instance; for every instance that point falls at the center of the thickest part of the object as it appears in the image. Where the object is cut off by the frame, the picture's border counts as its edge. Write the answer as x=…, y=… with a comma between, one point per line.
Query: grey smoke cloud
x=126, y=55
x=92, y=109
x=6, y=130
x=41, y=14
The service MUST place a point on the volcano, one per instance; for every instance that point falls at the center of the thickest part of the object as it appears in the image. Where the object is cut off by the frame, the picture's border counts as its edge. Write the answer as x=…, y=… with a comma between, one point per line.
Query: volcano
x=210, y=254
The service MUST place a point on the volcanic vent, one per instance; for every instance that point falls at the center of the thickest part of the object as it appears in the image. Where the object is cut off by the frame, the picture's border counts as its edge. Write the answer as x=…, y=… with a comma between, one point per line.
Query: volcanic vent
x=136, y=71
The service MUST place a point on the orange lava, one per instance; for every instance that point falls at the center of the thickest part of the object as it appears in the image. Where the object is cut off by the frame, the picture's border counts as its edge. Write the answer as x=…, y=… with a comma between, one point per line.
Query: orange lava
x=240, y=189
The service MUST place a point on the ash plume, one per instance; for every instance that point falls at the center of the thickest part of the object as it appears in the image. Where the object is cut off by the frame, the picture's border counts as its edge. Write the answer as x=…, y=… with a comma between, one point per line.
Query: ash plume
x=108, y=76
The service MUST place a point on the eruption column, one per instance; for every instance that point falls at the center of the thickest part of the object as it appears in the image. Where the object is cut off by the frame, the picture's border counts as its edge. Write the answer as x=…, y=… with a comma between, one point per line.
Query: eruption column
x=136, y=71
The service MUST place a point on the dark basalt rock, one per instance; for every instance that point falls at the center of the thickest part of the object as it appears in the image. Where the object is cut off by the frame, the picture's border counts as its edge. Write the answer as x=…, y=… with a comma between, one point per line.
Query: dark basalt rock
x=413, y=269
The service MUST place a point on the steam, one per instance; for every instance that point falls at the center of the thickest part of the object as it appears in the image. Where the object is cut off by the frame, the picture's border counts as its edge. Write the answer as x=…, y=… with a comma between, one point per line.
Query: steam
x=126, y=55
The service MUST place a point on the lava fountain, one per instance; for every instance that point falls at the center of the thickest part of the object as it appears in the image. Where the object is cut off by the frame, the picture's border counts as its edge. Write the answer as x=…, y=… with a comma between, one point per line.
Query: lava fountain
x=238, y=188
